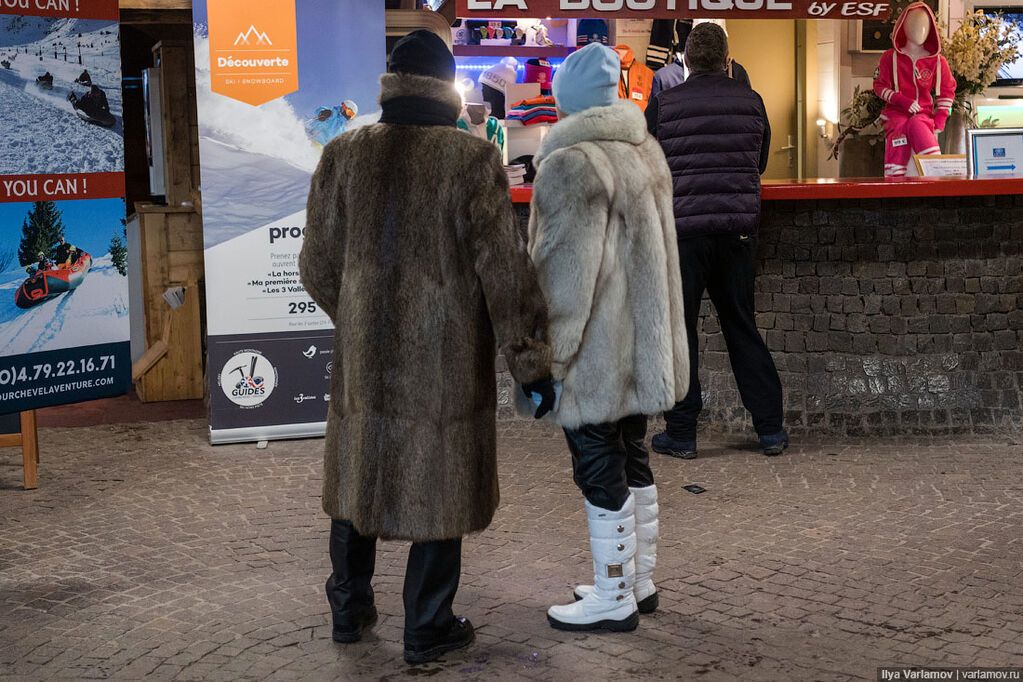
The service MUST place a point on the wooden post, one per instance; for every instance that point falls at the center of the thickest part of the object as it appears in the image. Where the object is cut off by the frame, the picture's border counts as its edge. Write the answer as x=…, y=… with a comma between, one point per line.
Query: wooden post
x=174, y=59
x=30, y=449
x=28, y=441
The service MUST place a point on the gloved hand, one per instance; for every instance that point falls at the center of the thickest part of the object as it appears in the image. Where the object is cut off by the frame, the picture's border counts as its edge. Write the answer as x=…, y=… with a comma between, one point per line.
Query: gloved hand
x=544, y=390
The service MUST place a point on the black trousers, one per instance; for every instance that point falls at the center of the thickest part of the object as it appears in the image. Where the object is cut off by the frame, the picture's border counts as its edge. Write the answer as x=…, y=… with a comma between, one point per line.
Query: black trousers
x=725, y=267
x=431, y=580
x=608, y=459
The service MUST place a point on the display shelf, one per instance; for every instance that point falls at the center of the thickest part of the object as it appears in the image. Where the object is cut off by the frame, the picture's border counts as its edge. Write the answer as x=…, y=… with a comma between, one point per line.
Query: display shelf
x=517, y=51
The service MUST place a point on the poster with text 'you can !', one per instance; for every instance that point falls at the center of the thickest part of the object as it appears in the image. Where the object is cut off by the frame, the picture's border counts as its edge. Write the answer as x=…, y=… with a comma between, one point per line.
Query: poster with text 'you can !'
x=63, y=273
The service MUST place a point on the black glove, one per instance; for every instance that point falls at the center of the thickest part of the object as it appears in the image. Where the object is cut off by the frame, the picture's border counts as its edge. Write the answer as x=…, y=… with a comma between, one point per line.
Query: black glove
x=545, y=389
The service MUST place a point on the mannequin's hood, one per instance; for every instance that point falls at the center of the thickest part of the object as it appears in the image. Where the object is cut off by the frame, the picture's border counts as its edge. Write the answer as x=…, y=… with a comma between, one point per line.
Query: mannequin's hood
x=899, y=39
x=627, y=56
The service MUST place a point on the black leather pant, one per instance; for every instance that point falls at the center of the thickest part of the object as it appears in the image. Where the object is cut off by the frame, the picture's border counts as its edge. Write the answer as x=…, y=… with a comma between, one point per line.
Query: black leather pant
x=608, y=459
x=431, y=580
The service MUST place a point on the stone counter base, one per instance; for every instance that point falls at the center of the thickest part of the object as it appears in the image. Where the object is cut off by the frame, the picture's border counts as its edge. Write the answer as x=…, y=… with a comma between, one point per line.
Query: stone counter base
x=896, y=316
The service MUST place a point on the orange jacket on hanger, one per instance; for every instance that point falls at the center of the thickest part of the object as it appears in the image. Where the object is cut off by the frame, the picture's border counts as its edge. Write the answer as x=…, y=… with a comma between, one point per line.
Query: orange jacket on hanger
x=637, y=79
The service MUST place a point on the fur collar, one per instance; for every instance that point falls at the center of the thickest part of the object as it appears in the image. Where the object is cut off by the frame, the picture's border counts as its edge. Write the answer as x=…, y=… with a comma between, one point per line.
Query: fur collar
x=393, y=85
x=621, y=122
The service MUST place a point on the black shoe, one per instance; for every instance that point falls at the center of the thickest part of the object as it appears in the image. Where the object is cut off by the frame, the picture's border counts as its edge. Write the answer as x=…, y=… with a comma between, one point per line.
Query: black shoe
x=459, y=636
x=773, y=446
x=666, y=445
x=351, y=631
x=646, y=606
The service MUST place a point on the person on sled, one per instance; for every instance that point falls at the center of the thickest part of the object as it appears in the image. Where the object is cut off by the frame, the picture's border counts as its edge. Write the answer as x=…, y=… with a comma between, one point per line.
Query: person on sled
x=42, y=265
x=329, y=122
x=66, y=253
x=94, y=102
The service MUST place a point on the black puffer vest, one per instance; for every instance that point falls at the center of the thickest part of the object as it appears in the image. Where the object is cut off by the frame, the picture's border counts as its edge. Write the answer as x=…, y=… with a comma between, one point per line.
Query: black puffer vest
x=712, y=130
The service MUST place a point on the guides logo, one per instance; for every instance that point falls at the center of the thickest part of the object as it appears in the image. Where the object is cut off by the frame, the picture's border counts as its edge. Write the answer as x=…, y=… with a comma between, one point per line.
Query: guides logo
x=248, y=379
x=253, y=33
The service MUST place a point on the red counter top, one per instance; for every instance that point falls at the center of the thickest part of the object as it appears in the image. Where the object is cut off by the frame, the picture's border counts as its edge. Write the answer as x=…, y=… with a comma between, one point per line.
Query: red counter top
x=862, y=188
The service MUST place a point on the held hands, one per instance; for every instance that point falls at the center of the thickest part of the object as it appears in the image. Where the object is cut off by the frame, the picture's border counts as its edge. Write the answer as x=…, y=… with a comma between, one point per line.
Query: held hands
x=914, y=108
x=543, y=396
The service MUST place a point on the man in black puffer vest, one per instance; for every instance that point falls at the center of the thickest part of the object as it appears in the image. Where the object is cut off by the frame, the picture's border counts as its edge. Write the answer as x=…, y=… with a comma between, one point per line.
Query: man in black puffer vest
x=716, y=136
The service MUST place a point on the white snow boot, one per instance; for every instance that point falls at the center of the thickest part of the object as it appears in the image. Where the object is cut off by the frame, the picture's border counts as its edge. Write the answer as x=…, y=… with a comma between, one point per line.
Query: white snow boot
x=646, y=550
x=611, y=604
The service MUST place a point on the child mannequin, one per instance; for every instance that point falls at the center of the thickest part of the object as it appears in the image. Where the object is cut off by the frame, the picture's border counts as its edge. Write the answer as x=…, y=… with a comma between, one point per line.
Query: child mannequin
x=906, y=77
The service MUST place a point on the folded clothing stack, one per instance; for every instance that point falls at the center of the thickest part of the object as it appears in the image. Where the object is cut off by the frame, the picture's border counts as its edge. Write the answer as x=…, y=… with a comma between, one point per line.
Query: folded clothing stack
x=516, y=175
x=533, y=111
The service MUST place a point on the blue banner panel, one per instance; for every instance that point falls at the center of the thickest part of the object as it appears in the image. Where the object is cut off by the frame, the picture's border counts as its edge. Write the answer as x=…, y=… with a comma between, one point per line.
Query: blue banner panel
x=68, y=375
x=267, y=386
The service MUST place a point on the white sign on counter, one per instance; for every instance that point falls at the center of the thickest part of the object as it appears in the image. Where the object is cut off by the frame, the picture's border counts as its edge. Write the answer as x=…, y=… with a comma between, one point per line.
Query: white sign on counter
x=941, y=165
x=995, y=152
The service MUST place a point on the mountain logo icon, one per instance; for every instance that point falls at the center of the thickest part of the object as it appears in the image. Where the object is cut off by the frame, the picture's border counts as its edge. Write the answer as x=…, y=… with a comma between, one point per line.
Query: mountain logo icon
x=253, y=37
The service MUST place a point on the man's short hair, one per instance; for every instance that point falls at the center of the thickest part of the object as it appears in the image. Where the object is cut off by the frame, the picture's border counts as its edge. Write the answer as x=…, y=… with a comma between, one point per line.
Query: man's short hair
x=707, y=49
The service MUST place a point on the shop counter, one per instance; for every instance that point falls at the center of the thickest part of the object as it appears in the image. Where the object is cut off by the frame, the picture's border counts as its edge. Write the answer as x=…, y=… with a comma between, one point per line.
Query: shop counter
x=891, y=307
x=863, y=188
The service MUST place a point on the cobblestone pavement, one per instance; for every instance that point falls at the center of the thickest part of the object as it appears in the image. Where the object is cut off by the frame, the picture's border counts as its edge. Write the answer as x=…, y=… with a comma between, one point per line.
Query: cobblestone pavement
x=147, y=553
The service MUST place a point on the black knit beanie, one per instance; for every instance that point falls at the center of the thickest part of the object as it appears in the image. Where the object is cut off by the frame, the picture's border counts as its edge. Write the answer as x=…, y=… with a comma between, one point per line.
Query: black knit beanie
x=422, y=53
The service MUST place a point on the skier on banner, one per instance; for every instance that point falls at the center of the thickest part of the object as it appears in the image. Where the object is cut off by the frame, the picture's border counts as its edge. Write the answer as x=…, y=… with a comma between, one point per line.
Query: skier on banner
x=329, y=122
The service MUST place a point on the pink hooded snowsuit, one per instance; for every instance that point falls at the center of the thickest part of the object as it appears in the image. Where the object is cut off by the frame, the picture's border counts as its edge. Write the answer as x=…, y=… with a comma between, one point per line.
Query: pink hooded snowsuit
x=900, y=81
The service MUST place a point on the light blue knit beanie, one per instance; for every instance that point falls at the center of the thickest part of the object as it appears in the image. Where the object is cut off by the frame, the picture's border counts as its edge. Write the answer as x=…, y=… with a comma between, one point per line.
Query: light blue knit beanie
x=587, y=78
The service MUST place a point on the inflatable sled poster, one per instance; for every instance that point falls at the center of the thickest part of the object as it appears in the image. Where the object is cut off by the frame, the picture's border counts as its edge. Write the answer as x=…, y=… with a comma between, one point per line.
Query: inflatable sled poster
x=63, y=273
x=276, y=81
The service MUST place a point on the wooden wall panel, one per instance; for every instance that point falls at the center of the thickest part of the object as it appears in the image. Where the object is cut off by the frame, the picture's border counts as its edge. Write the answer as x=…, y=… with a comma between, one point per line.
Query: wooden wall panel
x=172, y=256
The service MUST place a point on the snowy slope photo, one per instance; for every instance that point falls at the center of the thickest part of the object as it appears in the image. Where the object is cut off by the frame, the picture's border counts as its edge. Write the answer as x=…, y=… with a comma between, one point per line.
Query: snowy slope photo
x=60, y=96
x=63, y=276
x=257, y=162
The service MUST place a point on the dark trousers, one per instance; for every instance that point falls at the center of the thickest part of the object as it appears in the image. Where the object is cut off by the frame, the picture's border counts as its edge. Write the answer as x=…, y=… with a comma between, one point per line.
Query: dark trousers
x=431, y=580
x=608, y=459
x=725, y=266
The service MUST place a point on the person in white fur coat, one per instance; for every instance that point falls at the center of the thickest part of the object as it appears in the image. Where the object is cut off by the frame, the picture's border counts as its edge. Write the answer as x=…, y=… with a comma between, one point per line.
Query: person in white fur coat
x=602, y=238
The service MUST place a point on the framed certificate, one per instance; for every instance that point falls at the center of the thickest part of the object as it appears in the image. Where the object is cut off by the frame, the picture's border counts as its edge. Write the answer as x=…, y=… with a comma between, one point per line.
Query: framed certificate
x=941, y=165
x=995, y=152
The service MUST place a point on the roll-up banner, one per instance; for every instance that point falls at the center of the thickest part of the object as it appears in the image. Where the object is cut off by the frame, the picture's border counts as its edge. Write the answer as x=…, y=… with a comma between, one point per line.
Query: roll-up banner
x=63, y=273
x=276, y=81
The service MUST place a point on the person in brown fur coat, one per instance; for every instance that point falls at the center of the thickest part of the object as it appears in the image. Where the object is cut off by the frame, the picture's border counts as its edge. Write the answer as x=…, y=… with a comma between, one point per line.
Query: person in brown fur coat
x=411, y=247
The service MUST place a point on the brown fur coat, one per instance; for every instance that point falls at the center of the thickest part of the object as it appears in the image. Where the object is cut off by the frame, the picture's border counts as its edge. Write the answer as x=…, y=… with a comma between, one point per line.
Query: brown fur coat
x=411, y=247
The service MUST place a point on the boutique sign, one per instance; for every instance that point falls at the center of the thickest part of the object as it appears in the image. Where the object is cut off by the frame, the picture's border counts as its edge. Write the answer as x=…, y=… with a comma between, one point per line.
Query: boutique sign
x=674, y=9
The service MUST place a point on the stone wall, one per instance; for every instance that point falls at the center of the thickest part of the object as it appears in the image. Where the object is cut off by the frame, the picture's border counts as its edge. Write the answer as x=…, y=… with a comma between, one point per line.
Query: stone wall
x=900, y=316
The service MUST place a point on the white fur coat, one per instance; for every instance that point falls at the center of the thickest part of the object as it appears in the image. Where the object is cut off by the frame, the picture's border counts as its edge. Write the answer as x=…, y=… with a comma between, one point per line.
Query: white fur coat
x=602, y=237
